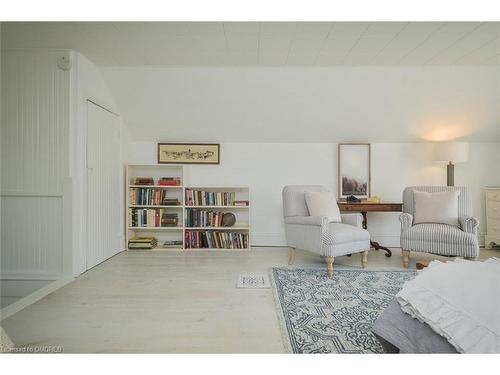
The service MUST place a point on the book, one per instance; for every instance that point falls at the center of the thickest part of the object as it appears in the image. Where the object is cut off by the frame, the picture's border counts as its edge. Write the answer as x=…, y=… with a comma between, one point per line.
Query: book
x=151, y=217
x=215, y=239
x=209, y=198
x=203, y=218
x=151, y=197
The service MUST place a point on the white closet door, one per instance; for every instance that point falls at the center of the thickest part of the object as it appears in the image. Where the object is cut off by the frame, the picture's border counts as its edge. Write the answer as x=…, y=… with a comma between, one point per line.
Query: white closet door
x=103, y=185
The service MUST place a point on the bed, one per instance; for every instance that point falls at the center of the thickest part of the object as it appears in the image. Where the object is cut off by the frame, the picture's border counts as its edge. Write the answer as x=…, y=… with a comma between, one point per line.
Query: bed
x=398, y=332
x=445, y=309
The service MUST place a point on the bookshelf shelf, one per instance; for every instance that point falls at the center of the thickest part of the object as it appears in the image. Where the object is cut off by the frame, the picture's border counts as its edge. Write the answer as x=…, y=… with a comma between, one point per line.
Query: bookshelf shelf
x=235, y=227
x=155, y=228
x=239, y=233
x=156, y=186
x=226, y=207
x=152, y=206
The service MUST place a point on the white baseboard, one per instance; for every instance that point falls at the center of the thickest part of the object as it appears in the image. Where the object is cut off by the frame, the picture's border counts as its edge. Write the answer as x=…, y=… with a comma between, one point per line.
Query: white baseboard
x=28, y=276
x=268, y=239
x=386, y=239
x=33, y=297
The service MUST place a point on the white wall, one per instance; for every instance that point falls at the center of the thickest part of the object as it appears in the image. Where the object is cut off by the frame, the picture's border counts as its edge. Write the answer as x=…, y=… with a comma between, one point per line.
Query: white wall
x=310, y=105
x=88, y=84
x=267, y=167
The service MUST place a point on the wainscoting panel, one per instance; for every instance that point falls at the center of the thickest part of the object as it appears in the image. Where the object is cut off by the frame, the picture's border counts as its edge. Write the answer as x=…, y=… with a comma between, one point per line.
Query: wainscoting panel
x=32, y=237
x=34, y=162
x=35, y=122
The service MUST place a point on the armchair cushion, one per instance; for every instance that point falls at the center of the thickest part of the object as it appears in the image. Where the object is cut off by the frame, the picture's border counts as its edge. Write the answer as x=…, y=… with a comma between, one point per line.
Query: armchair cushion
x=306, y=220
x=354, y=219
x=440, y=239
x=343, y=233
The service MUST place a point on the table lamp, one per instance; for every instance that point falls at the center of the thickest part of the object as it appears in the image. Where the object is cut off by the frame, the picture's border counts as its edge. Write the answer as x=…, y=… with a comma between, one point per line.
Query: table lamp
x=451, y=152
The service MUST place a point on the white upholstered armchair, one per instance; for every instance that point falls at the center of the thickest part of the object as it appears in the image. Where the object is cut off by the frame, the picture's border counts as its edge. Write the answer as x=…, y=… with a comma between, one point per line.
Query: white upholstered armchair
x=318, y=234
x=439, y=239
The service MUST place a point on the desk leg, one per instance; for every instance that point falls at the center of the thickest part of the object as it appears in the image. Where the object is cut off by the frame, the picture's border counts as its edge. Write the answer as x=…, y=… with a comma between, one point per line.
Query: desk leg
x=374, y=244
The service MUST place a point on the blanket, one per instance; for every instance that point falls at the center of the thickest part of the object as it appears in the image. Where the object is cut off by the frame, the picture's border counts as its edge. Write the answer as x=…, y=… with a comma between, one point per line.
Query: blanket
x=460, y=301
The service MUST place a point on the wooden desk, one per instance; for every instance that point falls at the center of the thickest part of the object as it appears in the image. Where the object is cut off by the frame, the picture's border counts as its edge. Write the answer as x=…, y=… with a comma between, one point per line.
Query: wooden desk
x=365, y=207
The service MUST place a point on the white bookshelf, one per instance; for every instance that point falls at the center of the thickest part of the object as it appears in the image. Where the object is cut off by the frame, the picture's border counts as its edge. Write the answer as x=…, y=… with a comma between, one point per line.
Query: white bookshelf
x=242, y=213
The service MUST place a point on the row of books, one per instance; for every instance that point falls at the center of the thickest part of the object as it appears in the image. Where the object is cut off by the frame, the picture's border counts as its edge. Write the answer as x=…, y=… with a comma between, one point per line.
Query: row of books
x=142, y=243
x=151, y=196
x=152, y=217
x=209, y=198
x=202, y=218
x=162, y=181
x=215, y=240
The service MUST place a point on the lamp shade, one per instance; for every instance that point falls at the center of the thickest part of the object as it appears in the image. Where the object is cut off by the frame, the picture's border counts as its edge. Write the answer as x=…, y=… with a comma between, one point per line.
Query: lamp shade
x=456, y=152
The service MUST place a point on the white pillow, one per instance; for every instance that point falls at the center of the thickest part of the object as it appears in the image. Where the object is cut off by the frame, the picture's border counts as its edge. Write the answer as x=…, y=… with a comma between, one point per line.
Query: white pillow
x=323, y=203
x=441, y=208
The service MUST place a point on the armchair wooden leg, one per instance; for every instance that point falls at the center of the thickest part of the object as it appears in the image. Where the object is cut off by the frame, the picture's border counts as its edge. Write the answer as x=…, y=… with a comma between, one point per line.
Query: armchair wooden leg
x=364, y=259
x=291, y=255
x=329, y=266
x=406, y=258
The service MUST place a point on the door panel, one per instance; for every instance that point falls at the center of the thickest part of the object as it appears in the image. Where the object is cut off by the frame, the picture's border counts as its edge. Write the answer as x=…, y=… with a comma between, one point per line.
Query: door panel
x=103, y=185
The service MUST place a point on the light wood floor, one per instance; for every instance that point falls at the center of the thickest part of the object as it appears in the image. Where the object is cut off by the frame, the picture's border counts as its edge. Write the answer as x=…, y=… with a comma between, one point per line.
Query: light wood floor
x=170, y=303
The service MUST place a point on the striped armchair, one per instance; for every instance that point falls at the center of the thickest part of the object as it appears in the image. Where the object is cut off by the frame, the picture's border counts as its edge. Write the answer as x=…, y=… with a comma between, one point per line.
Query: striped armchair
x=318, y=234
x=439, y=239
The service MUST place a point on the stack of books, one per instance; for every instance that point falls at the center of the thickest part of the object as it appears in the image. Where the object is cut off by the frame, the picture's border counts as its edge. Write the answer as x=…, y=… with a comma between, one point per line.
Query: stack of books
x=172, y=244
x=169, y=181
x=169, y=220
x=151, y=197
x=151, y=217
x=241, y=203
x=170, y=202
x=200, y=218
x=209, y=198
x=142, y=243
x=143, y=181
x=215, y=240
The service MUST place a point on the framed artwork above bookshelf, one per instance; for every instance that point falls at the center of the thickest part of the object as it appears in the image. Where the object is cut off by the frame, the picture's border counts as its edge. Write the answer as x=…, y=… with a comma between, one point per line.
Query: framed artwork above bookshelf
x=164, y=215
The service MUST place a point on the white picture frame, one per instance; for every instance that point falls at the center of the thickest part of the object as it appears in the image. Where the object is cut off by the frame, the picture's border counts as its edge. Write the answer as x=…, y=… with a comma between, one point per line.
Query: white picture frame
x=354, y=170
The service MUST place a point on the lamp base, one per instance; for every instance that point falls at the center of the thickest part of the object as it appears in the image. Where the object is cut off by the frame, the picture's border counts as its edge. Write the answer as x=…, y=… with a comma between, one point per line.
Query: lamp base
x=450, y=174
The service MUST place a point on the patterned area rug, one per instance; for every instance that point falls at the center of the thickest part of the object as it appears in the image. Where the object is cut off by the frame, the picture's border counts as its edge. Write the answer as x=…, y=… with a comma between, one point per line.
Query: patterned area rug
x=322, y=315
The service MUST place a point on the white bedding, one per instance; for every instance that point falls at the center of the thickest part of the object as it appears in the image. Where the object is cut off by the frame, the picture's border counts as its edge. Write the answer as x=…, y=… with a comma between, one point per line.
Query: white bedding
x=460, y=301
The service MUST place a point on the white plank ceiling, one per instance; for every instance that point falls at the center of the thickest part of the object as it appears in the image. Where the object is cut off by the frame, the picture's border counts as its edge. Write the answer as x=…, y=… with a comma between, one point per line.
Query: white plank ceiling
x=266, y=43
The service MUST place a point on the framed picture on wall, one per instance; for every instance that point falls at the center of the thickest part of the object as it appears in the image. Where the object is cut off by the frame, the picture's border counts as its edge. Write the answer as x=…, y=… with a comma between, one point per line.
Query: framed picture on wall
x=188, y=153
x=354, y=170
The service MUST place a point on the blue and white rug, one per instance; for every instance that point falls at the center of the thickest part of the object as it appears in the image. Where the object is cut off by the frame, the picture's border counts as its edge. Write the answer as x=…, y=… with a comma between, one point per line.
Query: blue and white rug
x=322, y=315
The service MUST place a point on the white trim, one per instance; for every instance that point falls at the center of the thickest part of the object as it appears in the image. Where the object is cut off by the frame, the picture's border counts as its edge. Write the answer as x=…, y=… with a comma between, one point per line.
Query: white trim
x=268, y=239
x=33, y=297
x=29, y=276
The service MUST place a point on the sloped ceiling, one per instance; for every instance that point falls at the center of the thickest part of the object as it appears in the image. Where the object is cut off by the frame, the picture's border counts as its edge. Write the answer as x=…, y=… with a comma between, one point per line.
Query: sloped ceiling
x=309, y=104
